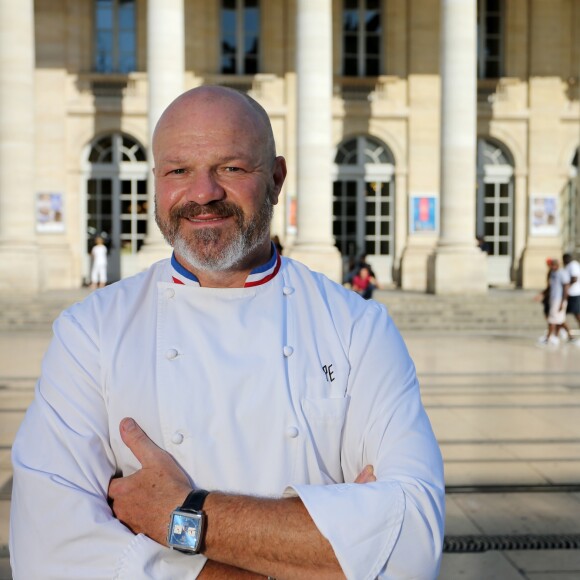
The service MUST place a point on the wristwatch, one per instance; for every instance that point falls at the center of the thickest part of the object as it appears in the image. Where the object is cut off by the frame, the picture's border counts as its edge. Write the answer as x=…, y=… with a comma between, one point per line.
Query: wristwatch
x=187, y=524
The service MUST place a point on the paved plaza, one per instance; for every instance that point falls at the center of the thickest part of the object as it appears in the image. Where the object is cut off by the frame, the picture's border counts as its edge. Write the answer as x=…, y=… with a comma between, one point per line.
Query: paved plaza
x=506, y=413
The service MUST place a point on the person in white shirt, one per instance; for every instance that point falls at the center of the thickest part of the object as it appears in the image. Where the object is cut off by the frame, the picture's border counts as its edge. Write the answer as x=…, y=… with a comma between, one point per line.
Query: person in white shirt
x=558, y=285
x=573, y=268
x=99, y=264
x=229, y=402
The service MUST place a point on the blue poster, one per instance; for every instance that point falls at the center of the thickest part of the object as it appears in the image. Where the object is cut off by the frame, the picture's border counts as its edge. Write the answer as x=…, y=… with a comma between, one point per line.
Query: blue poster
x=423, y=218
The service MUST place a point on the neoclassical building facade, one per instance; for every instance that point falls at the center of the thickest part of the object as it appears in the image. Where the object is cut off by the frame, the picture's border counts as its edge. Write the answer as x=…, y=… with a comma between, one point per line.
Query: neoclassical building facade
x=410, y=127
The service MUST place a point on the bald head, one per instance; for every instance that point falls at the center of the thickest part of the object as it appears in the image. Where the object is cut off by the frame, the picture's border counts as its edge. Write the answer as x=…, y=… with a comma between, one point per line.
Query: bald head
x=217, y=179
x=215, y=102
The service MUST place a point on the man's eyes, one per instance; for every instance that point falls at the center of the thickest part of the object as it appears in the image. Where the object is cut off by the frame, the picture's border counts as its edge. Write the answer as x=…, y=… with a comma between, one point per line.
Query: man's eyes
x=226, y=169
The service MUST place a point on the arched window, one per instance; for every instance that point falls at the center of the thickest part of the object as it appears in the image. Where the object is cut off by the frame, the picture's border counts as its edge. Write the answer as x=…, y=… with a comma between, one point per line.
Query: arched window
x=363, y=202
x=495, y=207
x=117, y=199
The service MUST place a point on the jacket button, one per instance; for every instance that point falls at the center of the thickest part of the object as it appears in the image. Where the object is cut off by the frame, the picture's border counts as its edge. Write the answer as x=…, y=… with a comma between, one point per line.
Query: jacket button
x=287, y=290
x=177, y=438
x=169, y=293
x=288, y=350
x=292, y=432
x=171, y=354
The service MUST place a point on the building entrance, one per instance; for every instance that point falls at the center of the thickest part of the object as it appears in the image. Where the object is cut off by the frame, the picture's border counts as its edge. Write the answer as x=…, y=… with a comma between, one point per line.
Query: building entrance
x=363, y=204
x=116, y=201
x=495, y=209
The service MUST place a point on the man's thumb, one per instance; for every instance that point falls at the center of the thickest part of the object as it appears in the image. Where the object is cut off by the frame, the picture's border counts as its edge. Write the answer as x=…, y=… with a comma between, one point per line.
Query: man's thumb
x=137, y=441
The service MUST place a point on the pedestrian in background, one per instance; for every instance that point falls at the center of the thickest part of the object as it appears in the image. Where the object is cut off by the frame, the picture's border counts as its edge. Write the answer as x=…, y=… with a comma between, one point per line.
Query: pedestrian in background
x=276, y=241
x=559, y=283
x=99, y=264
x=364, y=283
x=354, y=268
x=544, y=297
x=573, y=269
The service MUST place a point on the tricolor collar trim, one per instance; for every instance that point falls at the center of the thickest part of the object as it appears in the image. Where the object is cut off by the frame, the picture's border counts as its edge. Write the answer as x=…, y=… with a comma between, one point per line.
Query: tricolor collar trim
x=257, y=276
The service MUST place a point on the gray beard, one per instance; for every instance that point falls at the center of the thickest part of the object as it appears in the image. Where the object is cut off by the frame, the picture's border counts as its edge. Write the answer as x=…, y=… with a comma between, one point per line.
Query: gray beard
x=197, y=251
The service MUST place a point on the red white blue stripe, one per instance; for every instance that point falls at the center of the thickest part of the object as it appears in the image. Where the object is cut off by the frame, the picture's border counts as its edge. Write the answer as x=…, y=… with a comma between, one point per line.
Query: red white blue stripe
x=258, y=276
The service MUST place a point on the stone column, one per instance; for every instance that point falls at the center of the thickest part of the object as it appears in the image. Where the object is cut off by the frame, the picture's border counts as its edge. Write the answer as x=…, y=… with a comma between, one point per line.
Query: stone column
x=458, y=266
x=18, y=249
x=165, y=72
x=314, y=243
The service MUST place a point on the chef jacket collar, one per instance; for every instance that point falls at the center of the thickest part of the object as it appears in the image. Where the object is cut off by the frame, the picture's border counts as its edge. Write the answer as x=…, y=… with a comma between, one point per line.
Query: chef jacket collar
x=257, y=276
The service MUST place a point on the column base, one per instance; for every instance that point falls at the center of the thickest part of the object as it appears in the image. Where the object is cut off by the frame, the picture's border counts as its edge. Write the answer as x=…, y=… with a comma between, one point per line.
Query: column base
x=56, y=268
x=320, y=258
x=19, y=268
x=457, y=270
x=414, y=263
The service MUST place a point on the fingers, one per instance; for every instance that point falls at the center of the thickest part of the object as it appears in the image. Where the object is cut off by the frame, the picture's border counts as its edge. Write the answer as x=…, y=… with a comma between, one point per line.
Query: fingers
x=139, y=443
x=367, y=475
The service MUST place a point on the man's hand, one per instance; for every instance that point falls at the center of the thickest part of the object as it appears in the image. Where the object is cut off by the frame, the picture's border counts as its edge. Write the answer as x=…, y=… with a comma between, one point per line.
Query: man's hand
x=367, y=475
x=144, y=500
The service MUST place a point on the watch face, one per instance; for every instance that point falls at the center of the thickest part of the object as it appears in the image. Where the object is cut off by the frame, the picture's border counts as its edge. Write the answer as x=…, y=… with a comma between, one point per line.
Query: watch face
x=185, y=531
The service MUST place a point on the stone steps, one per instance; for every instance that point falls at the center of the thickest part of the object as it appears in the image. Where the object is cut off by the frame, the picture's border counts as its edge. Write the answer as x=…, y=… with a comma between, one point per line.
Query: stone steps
x=498, y=310
x=36, y=311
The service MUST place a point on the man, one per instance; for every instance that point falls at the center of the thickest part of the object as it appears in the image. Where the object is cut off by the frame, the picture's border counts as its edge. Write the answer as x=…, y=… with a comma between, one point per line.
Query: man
x=558, y=285
x=233, y=370
x=572, y=267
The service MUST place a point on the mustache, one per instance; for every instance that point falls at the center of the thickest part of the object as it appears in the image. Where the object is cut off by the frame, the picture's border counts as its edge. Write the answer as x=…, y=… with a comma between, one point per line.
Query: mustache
x=220, y=208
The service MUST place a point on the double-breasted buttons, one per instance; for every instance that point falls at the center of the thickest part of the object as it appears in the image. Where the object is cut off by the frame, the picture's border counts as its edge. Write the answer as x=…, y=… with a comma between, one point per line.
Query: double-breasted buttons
x=288, y=350
x=171, y=354
x=177, y=438
x=292, y=431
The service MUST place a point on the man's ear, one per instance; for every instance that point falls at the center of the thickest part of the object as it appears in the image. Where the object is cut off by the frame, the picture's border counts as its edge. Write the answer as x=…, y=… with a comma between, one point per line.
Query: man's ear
x=278, y=177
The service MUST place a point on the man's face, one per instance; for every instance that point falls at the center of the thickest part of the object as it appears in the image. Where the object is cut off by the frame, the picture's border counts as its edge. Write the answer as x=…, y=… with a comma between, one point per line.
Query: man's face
x=215, y=187
x=209, y=245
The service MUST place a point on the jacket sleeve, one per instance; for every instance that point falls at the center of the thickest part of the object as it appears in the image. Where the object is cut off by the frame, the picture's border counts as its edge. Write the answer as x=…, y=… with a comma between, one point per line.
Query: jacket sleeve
x=392, y=528
x=61, y=524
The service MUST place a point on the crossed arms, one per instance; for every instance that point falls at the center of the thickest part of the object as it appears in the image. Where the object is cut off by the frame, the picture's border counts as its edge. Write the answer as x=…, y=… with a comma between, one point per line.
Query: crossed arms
x=244, y=534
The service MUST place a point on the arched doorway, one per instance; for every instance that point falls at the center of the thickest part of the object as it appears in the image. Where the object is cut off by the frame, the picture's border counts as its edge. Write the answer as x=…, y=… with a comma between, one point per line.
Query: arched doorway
x=364, y=203
x=116, y=200
x=495, y=208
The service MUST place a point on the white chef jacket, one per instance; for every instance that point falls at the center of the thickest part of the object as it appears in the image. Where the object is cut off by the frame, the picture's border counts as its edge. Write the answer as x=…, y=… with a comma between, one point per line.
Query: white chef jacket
x=286, y=387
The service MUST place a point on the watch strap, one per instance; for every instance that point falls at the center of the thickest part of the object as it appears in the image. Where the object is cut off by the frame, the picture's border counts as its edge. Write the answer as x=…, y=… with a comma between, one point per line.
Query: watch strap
x=195, y=500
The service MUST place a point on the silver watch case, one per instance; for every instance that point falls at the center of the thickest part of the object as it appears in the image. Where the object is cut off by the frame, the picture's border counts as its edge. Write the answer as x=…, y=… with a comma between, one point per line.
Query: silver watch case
x=185, y=531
